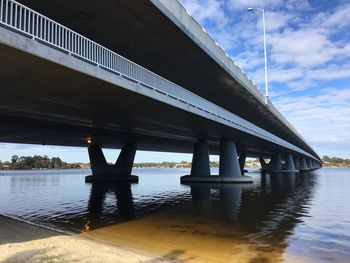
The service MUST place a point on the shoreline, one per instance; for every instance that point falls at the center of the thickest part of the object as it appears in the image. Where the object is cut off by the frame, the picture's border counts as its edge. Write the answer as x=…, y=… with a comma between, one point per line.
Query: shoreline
x=22, y=241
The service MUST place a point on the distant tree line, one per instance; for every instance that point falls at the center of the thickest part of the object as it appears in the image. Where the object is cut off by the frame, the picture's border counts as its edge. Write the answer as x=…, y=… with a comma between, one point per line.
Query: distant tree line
x=335, y=162
x=162, y=164
x=185, y=164
x=36, y=162
x=182, y=164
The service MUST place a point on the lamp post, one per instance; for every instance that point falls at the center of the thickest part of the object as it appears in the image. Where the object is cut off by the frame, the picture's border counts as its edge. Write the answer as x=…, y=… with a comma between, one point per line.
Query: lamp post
x=265, y=57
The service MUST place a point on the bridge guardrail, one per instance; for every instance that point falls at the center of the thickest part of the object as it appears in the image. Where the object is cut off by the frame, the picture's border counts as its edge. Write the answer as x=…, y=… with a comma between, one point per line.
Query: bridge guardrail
x=37, y=26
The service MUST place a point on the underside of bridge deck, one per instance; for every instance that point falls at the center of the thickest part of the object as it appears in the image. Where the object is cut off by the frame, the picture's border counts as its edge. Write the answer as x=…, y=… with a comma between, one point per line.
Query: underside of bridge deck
x=140, y=31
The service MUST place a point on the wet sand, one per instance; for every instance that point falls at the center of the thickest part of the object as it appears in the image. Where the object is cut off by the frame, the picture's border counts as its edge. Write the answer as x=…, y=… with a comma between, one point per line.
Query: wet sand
x=157, y=238
x=170, y=237
x=22, y=242
x=191, y=239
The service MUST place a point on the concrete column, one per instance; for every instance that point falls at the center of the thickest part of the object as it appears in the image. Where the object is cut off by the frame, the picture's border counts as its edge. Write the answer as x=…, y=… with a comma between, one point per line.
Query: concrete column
x=308, y=163
x=229, y=166
x=200, y=160
x=289, y=166
x=264, y=165
x=126, y=160
x=296, y=163
x=120, y=171
x=229, y=169
x=303, y=165
x=276, y=163
x=97, y=159
x=241, y=162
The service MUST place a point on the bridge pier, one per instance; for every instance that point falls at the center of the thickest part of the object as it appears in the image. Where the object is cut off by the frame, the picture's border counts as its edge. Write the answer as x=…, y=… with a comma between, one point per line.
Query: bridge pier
x=289, y=165
x=263, y=164
x=276, y=163
x=200, y=170
x=120, y=171
x=308, y=164
x=312, y=165
x=296, y=163
x=241, y=161
x=200, y=160
x=229, y=170
x=303, y=165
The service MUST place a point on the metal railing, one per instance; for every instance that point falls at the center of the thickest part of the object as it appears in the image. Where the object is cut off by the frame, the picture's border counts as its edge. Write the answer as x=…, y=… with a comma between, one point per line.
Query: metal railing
x=31, y=23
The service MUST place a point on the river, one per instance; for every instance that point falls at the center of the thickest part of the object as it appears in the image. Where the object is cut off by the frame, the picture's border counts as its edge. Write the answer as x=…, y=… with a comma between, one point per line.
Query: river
x=278, y=218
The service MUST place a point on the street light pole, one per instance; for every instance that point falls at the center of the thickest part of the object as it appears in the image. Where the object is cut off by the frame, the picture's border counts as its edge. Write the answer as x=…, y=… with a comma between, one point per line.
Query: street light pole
x=265, y=56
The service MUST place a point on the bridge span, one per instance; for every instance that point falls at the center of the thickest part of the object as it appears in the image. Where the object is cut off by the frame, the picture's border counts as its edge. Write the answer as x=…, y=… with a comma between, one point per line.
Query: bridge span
x=77, y=87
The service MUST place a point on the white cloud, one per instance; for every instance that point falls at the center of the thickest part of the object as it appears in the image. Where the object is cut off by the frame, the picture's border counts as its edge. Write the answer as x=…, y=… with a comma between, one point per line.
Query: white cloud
x=269, y=4
x=206, y=10
x=285, y=75
x=340, y=18
x=323, y=119
x=276, y=20
x=242, y=4
x=330, y=73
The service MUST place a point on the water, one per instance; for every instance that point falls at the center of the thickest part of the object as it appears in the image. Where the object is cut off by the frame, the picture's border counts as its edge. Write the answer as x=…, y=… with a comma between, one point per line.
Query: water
x=302, y=218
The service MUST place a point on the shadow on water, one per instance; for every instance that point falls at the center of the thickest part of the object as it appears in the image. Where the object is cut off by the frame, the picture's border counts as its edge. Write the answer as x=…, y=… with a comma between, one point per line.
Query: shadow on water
x=236, y=203
x=223, y=218
x=194, y=222
x=124, y=208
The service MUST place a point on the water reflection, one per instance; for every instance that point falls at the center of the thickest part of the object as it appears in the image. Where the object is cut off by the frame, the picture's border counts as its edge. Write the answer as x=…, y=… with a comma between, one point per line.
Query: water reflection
x=276, y=198
x=123, y=203
x=277, y=215
x=267, y=212
x=223, y=200
x=228, y=220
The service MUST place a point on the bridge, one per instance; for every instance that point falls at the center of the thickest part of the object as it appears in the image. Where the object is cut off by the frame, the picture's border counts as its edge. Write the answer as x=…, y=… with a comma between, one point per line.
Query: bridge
x=135, y=75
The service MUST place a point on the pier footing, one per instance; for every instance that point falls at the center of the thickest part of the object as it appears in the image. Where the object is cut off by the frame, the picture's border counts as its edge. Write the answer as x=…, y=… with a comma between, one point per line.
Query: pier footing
x=283, y=171
x=118, y=172
x=216, y=179
x=102, y=178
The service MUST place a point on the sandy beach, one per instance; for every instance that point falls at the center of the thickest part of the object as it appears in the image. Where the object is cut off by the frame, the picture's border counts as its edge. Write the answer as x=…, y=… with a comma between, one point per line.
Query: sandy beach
x=22, y=242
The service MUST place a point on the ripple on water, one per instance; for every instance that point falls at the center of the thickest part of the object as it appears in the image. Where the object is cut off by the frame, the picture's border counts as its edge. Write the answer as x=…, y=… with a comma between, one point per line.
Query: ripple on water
x=277, y=218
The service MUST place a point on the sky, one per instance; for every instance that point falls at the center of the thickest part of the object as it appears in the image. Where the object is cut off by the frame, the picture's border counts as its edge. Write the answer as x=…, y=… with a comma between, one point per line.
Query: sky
x=308, y=56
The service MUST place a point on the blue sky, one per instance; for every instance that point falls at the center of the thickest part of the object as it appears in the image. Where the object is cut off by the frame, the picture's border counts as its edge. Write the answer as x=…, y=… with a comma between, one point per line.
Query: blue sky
x=308, y=46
